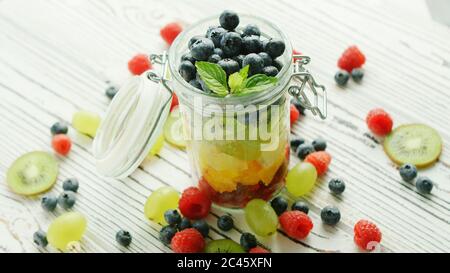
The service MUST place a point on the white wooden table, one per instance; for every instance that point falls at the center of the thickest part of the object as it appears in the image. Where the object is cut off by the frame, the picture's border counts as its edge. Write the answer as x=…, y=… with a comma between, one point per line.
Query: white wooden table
x=56, y=56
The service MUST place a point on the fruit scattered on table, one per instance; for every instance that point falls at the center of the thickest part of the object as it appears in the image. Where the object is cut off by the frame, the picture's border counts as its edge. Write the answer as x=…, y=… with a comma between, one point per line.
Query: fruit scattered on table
x=223, y=246
x=294, y=114
x=424, y=184
x=111, y=92
x=174, y=102
x=248, y=241
x=336, y=185
x=59, y=128
x=40, y=238
x=201, y=226
x=159, y=202
x=172, y=217
x=301, y=109
x=296, y=224
x=258, y=249
x=351, y=58
x=166, y=234
x=357, y=74
x=408, y=172
x=170, y=31
x=261, y=217
x=319, y=144
x=139, y=64
x=67, y=199
x=379, y=122
x=279, y=204
x=86, y=122
x=320, y=160
x=367, y=235
x=416, y=144
x=225, y=222
x=71, y=184
x=156, y=148
x=296, y=142
x=300, y=206
x=49, y=203
x=330, y=215
x=61, y=143
x=184, y=224
x=194, y=204
x=173, y=129
x=32, y=173
x=124, y=238
x=301, y=179
x=341, y=77
x=188, y=241
x=304, y=150
x=66, y=228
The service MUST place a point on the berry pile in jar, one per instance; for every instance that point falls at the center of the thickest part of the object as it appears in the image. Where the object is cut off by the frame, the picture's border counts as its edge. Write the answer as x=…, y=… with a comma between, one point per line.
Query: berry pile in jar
x=244, y=59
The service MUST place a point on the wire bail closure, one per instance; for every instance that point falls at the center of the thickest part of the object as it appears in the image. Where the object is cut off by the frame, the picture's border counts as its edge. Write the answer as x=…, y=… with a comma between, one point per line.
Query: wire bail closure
x=302, y=75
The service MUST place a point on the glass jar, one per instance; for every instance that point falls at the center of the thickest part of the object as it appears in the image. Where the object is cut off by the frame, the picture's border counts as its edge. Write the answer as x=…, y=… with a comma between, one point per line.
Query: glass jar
x=238, y=146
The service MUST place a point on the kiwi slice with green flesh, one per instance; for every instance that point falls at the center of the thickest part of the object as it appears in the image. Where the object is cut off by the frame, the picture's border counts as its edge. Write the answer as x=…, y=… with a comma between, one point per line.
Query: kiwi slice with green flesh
x=224, y=246
x=32, y=173
x=417, y=144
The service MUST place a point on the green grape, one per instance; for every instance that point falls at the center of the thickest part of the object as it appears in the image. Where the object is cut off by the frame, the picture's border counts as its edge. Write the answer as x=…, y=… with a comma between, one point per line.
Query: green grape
x=157, y=146
x=86, y=122
x=65, y=229
x=261, y=217
x=301, y=179
x=160, y=201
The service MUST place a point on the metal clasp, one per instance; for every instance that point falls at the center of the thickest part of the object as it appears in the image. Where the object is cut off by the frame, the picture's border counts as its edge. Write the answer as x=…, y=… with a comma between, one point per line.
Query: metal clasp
x=302, y=75
x=161, y=59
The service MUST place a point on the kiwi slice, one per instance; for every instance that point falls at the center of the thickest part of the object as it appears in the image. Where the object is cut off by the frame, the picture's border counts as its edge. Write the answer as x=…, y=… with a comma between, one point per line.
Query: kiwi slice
x=417, y=144
x=32, y=173
x=224, y=246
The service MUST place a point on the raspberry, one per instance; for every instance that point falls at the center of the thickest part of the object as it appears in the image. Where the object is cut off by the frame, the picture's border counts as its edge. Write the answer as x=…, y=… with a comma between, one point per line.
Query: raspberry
x=258, y=249
x=194, y=204
x=174, y=102
x=139, y=64
x=320, y=160
x=170, y=31
x=61, y=143
x=294, y=115
x=367, y=235
x=188, y=241
x=296, y=52
x=296, y=224
x=351, y=58
x=379, y=122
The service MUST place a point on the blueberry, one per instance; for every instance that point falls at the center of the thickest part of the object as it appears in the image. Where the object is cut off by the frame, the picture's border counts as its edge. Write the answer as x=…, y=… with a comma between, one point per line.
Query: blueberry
x=216, y=35
x=195, y=83
x=202, y=49
x=279, y=204
x=193, y=40
x=330, y=215
x=187, y=70
x=201, y=226
x=67, y=199
x=341, y=77
x=172, y=217
x=248, y=241
x=166, y=234
x=218, y=51
x=59, y=128
x=251, y=44
x=277, y=64
x=40, y=238
x=188, y=57
x=184, y=224
x=274, y=48
x=214, y=58
x=424, y=184
x=231, y=44
x=111, y=91
x=336, y=185
x=408, y=172
x=304, y=150
x=239, y=58
x=250, y=30
x=271, y=71
x=295, y=142
x=49, y=203
x=229, y=20
x=357, y=74
x=319, y=144
x=229, y=65
x=123, y=237
x=300, y=206
x=299, y=107
x=225, y=222
x=71, y=184
x=266, y=58
x=255, y=61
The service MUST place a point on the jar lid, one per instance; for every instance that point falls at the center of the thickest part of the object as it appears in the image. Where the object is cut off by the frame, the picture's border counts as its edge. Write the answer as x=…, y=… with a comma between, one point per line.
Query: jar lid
x=131, y=126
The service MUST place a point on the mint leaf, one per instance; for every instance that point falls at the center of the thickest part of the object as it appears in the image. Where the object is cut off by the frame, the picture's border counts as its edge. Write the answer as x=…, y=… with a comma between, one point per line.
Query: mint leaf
x=244, y=72
x=214, y=77
x=258, y=83
x=235, y=81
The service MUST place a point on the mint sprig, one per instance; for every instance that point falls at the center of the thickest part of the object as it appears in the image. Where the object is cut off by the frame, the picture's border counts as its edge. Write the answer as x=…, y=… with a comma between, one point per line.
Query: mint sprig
x=214, y=77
